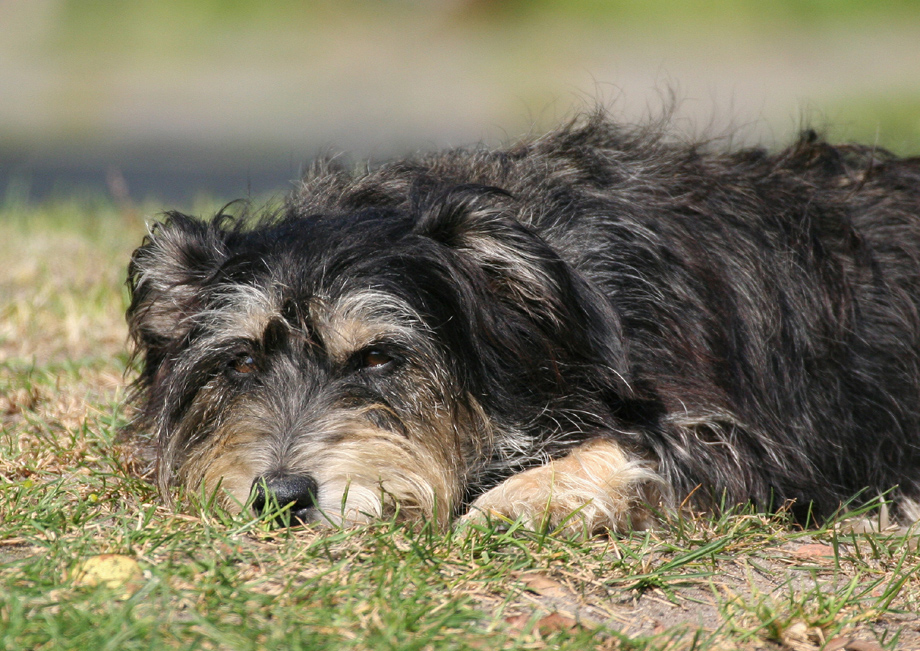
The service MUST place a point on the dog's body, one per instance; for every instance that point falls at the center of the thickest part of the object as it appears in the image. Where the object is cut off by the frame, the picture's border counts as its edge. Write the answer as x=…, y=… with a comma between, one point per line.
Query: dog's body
x=596, y=321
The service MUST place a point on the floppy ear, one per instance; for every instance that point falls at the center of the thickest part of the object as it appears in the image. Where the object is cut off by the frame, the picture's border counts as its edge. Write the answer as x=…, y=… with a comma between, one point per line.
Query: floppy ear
x=522, y=269
x=167, y=277
x=528, y=276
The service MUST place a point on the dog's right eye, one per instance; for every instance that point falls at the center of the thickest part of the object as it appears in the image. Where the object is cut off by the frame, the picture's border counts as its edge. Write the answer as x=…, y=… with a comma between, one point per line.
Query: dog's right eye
x=244, y=365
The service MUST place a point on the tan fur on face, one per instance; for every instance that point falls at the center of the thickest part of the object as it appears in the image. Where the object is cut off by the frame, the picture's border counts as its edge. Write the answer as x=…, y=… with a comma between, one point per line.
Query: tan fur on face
x=363, y=472
x=597, y=486
x=373, y=472
x=226, y=464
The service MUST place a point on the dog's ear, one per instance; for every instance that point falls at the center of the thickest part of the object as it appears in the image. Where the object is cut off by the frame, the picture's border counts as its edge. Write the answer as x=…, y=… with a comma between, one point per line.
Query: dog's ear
x=479, y=222
x=168, y=275
x=527, y=275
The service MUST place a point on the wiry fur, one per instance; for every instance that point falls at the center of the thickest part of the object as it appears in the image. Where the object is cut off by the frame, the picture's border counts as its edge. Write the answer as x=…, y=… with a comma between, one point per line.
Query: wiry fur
x=603, y=312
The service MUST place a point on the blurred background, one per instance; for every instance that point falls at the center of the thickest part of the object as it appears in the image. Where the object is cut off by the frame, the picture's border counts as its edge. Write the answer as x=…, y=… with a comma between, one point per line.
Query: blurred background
x=166, y=100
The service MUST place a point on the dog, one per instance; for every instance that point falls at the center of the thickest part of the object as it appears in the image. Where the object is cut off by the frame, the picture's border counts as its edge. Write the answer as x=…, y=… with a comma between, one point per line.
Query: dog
x=583, y=331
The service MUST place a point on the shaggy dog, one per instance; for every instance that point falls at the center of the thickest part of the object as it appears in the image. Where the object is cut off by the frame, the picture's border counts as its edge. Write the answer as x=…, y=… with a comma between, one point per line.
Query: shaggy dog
x=580, y=329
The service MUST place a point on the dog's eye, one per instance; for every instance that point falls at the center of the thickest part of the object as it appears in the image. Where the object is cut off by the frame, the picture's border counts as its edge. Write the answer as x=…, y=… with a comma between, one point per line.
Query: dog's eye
x=245, y=365
x=374, y=358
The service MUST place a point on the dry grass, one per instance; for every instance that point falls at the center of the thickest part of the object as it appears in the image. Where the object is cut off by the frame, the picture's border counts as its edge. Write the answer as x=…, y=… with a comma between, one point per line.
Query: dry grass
x=88, y=559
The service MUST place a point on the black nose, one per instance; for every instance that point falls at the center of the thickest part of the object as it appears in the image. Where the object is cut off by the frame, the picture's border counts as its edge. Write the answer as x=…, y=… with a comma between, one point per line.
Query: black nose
x=278, y=491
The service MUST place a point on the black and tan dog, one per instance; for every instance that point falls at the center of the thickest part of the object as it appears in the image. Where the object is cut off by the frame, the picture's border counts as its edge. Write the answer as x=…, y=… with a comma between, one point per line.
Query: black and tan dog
x=597, y=321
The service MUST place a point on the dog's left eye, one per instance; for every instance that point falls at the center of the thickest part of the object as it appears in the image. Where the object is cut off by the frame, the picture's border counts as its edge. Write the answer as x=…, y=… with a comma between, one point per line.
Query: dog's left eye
x=374, y=358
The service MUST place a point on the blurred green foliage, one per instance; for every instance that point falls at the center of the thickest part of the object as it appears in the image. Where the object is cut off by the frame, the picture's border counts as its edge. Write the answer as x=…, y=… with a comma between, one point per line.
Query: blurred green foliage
x=83, y=18
x=751, y=11
x=892, y=122
x=81, y=79
x=257, y=12
x=259, y=32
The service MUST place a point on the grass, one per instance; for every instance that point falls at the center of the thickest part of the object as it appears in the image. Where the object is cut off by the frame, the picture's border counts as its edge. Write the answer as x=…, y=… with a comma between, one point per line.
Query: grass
x=89, y=559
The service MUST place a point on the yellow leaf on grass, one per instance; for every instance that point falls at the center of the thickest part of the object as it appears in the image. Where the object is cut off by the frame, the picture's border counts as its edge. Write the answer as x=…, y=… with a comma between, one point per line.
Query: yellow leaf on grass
x=111, y=570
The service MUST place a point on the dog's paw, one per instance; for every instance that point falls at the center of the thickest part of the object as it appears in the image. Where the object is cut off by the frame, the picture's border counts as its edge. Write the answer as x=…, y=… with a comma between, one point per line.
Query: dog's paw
x=597, y=487
x=525, y=497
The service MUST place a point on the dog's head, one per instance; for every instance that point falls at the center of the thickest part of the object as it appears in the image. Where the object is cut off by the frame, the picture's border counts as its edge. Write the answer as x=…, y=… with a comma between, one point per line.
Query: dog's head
x=351, y=362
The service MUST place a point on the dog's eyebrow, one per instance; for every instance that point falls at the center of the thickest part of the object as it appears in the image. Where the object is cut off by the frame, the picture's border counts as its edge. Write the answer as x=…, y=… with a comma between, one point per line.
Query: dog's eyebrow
x=343, y=337
x=360, y=319
x=238, y=311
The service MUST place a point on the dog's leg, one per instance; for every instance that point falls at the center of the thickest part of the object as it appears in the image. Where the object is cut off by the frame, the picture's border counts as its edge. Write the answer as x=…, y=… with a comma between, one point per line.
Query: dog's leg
x=597, y=486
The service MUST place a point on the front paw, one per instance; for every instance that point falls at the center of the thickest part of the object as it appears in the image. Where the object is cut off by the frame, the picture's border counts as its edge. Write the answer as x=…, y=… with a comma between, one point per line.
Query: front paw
x=597, y=487
x=525, y=497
